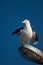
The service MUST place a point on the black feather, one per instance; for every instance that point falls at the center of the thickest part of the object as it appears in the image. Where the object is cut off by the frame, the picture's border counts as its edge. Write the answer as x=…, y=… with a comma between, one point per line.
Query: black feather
x=36, y=39
x=17, y=31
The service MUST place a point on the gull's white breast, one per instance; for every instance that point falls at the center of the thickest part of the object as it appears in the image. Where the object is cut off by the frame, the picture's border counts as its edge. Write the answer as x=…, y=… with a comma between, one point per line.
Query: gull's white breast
x=26, y=36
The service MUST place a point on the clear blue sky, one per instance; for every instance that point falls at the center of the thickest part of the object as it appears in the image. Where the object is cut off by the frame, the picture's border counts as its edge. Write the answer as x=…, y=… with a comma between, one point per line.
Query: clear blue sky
x=12, y=12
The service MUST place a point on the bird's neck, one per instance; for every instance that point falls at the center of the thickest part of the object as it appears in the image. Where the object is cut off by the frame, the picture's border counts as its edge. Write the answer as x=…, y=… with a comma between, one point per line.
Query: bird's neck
x=28, y=26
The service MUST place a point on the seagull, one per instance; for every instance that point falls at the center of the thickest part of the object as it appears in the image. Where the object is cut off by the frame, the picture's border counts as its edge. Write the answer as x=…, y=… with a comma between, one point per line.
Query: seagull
x=26, y=33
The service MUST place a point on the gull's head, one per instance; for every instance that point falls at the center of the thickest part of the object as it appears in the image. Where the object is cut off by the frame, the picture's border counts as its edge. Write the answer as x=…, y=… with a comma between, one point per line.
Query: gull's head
x=26, y=22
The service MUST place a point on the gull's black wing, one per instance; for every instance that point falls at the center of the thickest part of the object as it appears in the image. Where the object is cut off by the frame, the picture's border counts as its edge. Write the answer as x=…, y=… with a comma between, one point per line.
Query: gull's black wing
x=36, y=39
x=17, y=31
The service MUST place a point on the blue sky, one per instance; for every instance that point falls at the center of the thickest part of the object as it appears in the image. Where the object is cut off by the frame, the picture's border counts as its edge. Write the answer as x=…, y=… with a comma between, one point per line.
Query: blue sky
x=12, y=12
